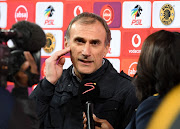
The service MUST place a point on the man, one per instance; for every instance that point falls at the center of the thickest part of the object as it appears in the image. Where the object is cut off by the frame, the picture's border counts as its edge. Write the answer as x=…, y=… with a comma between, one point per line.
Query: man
x=59, y=94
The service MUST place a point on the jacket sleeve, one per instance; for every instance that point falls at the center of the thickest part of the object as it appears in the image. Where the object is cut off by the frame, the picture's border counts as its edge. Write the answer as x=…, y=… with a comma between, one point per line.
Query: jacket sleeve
x=144, y=113
x=42, y=96
x=130, y=104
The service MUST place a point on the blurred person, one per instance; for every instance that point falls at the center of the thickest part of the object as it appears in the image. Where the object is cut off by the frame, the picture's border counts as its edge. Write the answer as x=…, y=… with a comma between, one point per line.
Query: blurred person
x=17, y=111
x=58, y=96
x=158, y=71
x=167, y=115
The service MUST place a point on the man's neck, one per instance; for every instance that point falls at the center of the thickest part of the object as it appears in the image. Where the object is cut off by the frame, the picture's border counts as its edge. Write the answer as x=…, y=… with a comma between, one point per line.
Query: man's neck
x=80, y=76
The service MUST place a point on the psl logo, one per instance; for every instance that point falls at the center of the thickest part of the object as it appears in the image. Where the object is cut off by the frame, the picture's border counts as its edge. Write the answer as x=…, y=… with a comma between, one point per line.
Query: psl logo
x=136, y=12
x=77, y=10
x=132, y=69
x=21, y=13
x=107, y=13
x=49, y=13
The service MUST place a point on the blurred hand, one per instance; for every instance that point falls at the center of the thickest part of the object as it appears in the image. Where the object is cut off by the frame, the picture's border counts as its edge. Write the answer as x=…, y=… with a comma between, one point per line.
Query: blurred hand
x=21, y=78
x=99, y=123
x=84, y=120
x=54, y=65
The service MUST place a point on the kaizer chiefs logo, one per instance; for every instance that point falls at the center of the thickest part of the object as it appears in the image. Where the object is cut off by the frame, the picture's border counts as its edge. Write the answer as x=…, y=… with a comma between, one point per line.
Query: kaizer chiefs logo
x=50, y=43
x=167, y=14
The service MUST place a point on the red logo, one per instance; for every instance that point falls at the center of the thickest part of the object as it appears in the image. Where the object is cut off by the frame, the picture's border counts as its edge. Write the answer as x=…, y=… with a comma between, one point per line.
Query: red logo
x=107, y=13
x=129, y=66
x=21, y=13
x=72, y=9
x=43, y=70
x=132, y=69
x=49, y=22
x=132, y=42
x=90, y=84
x=136, y=22
x=77, y=10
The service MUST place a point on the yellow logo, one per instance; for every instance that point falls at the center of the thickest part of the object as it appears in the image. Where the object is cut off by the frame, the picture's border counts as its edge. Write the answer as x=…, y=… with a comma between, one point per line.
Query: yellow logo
x=167, y=14
x=50, y=43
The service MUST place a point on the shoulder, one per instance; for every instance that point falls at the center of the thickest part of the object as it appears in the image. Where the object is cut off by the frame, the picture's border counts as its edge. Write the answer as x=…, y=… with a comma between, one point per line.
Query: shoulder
x=152, y=101
x=125, y=76
x=5, y=96
x=145, y=111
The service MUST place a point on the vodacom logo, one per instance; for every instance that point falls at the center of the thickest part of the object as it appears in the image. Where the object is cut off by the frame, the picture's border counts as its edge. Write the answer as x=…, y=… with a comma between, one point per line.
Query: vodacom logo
x=107, y=13
x=21, y=13
x=136, y=40
x=78, y=10
x=132, y=69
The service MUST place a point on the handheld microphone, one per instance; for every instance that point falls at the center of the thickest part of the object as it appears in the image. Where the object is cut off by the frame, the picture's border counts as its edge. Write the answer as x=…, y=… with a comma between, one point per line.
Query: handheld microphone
x=89, y=115
x=89, y=91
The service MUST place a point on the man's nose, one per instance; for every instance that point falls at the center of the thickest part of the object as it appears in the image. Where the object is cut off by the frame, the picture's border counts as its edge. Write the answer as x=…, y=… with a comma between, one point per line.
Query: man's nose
x=86, y=50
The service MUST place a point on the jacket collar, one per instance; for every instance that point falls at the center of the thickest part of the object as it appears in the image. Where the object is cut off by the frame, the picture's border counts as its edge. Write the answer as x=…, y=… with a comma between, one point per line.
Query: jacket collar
x=71, y=84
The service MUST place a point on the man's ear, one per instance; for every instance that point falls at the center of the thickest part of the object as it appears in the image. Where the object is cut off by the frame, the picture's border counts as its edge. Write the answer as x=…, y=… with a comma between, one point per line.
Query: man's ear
x=106, y=49
x=66, y=44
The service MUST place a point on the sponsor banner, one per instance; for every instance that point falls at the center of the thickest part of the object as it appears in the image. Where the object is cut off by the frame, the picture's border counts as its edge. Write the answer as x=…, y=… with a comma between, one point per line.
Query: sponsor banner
x=166, y=14
x=49, y=14
x=72, y=9
x=53, y=42
x=18, y=11
x=129, y=66
x=132, y=42
x=115, y=63
x=42, y=71
x=110, y=11
x=114, y=50
x=136, y=14
x=67, y=63
x=3, y=15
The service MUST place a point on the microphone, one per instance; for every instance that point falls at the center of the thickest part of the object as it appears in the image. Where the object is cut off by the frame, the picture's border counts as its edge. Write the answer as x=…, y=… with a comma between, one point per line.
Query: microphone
x=89, y=115
x=89, y=91
x=25, y=35
x=28, y=36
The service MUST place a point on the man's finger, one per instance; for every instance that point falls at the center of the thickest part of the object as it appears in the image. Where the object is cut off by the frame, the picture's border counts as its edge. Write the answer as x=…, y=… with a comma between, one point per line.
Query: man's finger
x=60, y=53
x=24, y=66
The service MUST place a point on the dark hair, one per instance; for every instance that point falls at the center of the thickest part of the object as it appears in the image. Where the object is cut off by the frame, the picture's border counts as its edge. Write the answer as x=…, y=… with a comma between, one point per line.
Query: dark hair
x=90, y=18
x=158, y=68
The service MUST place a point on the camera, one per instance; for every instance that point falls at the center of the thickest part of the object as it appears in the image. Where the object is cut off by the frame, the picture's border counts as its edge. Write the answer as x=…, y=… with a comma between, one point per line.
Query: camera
x=25, y=36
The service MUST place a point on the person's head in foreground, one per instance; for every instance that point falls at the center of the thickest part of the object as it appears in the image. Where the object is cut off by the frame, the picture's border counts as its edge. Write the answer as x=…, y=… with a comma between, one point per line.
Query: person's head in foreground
x=158, y=68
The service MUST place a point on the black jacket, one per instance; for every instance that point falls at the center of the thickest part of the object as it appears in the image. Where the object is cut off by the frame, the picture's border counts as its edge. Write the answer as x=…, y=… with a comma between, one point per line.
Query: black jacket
x=60, y=107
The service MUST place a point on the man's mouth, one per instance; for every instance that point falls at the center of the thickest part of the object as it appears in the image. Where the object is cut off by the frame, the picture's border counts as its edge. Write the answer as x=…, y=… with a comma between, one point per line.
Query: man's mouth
x=85, y=61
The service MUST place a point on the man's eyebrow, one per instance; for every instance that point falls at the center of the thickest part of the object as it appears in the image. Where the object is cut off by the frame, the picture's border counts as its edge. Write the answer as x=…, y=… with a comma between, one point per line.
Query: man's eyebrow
x=79, y=38
x=95, y=40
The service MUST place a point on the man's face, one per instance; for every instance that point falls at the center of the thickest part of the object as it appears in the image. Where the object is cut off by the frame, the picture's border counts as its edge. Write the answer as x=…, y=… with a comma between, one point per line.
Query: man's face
x=87, y=44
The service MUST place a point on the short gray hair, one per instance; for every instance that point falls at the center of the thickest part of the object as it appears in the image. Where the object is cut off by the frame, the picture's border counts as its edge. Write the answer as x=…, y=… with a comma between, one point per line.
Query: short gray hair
x=90, y=18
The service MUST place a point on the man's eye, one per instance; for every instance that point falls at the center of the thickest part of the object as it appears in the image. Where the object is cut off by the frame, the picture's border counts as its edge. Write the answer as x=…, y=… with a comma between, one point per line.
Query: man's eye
x=95, y=43
x=79, y=41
